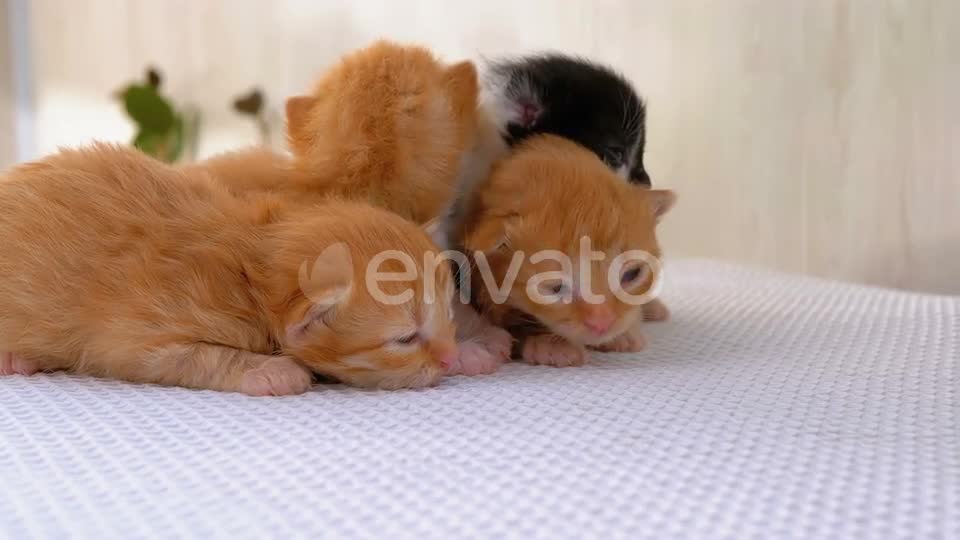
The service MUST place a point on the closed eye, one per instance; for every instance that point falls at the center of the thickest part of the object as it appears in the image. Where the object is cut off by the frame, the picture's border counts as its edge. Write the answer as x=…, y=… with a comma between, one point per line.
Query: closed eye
x=407, y=339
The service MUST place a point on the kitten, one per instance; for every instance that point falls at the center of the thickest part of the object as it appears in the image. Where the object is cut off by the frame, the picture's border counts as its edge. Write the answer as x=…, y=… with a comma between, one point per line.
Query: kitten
x=583, y=101
x=547, y=195
x=391, y=125
x=574, y=98
x=116, y=265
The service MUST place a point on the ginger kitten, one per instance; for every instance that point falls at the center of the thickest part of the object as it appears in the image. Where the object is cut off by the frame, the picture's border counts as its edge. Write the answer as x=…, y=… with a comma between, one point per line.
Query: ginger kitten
x=388, y=124
x=391, y=125
x=116, y=265
x=548, y=195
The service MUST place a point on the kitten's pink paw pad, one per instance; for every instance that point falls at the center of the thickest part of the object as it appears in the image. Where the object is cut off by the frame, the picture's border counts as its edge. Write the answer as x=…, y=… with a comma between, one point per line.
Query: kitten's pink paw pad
x=14, y=364
x=655, y=311
x=552, y=351
x=280, y=376
x=626, y=342
x=474, y=359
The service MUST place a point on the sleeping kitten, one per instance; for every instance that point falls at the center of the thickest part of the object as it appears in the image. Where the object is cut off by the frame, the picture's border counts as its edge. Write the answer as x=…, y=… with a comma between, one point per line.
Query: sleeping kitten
x=116, y=265
x=388, y=124
x=580, y=100
x=391, y=125
x=548, y=195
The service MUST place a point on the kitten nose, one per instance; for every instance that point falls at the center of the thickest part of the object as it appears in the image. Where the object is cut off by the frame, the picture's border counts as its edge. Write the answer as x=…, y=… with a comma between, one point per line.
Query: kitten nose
x=445, y=353
x=599, y=321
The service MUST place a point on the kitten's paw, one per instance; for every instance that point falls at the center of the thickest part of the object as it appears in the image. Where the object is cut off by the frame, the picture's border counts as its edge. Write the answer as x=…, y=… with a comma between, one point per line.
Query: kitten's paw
x=14, y=364
x=550, y=350
x=473, y=328
x=629, y=341
x=279, y=376
x=474, y=359
x=497, y=341
x=655, y=311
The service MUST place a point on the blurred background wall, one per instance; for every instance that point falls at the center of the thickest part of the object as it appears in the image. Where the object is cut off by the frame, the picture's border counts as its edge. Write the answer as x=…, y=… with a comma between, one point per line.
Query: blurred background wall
x=816, y=136
x=7, y=139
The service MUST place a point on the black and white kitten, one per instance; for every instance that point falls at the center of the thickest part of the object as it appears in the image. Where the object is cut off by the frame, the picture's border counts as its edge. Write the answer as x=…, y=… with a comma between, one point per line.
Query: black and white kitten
x=580, y=100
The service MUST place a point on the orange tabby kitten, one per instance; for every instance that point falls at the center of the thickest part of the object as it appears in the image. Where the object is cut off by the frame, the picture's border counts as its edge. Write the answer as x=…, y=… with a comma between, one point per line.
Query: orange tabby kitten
x=548, y=195
x=116, y=265
x=389, y=124
x=393, y=126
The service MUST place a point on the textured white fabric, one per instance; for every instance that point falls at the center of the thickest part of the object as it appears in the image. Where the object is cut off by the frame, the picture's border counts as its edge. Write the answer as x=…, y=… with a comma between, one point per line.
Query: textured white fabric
x=771, y=406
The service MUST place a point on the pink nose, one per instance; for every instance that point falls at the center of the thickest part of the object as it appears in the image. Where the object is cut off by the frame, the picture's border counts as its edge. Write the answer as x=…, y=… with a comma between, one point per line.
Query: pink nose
x=446, y=356
x=599, y=323
x=446, y=361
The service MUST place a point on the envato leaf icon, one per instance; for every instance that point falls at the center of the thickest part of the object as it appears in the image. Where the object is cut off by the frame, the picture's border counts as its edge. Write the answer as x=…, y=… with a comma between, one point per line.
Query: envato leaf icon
x=330, y=278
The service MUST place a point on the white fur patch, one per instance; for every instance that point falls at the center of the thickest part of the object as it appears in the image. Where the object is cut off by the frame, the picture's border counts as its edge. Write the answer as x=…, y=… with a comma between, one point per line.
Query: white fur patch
x=501, y=100
x=495, y=104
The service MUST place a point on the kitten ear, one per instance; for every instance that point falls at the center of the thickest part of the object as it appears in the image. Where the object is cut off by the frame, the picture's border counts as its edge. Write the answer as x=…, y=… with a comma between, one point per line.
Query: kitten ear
x=315, y=314
x=326, y=286
x=492, y=236
x=298, y=111
x=463, y=86
x=661, y=200
x=332, y=270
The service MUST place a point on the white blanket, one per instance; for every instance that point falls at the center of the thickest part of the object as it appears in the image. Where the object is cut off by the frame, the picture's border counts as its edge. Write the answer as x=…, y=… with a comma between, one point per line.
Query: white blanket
x=771, y=406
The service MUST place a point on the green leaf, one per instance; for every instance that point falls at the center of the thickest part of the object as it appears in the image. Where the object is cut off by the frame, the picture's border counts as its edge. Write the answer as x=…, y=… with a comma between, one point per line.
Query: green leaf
x=165, y=146
x=150, y=142
x=148, y=109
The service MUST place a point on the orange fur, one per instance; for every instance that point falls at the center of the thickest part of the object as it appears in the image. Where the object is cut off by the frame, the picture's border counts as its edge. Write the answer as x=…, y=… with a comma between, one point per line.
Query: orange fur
x=546, y=196
x=389, y=125
x=393, y=126
x=256, y=172
x=116, y=265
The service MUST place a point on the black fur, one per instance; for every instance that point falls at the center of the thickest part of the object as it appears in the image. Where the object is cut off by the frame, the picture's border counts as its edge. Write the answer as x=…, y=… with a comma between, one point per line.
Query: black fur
x=574, y=98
